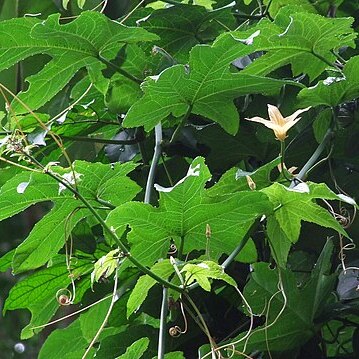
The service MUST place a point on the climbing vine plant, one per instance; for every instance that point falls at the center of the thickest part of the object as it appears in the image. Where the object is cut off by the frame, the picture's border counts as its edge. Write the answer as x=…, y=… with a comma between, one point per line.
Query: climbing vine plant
x=194, y=168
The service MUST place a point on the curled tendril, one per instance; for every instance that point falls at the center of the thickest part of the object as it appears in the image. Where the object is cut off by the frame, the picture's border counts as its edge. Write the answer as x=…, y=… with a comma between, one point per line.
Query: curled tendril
x=173, y=249
x=64, y=296
x=175, y=331
x=349, y=218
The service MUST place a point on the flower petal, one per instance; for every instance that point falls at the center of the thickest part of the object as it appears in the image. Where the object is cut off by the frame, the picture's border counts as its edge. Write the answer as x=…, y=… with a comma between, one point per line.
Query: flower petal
x=296, y=114
x=264, y=122
x=290, y=124
x=275, y=115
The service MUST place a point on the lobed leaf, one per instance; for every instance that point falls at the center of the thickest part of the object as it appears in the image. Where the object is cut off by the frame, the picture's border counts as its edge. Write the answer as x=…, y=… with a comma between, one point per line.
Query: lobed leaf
x=206, y=88
x=183, y=214
x=96, y=182
x=90, y=41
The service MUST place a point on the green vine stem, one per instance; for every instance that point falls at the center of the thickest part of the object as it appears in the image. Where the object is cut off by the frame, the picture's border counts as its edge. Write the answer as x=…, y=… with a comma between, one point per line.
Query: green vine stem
x=154, y=163
x=149, y=189
x=178, y=129
x=314, y=157
x=203, y=323
x=282, y=165
x=163, y=323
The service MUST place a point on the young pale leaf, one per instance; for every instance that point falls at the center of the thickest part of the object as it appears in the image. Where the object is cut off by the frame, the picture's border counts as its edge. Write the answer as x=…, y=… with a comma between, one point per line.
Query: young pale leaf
x=106, y=265
x=202, y=272
x=206, y=88
x=333, y=90
x=139, y=293
x=90, y=41
x=292, y=207
x=65, y=3
x=183, y=214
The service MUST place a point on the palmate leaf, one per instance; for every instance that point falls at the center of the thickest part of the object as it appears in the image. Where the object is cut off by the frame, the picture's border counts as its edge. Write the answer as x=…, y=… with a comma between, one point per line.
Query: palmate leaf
x=182, y=216
x=95, y=182
x=207, y=88
x=292, y=207
x=297, y=37
x=90, y=41
x=333, y=90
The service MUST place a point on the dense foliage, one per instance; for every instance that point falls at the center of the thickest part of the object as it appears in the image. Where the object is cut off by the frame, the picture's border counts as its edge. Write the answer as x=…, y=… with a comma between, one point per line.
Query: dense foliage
x=178, y=179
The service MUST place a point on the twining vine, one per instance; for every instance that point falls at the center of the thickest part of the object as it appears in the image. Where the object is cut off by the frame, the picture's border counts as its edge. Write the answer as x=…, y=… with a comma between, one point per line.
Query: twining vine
x=184, y=221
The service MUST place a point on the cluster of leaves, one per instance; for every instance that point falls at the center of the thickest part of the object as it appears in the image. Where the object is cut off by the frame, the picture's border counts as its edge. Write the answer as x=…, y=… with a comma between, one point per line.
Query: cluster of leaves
x=123, y=125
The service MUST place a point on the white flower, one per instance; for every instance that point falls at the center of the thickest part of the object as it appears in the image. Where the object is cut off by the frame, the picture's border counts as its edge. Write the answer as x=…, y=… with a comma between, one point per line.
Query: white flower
x=279, y=124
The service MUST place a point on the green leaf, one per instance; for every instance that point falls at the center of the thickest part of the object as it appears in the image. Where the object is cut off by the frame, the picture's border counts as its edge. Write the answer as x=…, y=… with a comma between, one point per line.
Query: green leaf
x=288, y=41
x=91, y=321
x=115, y=345
x=139, y=293
x=54, y=347
x=183, y=214
x=174, y=355
x=136, y=350
x=182, y=27
x=81, y=3
x=235, y=180
x=207, y=88
x=203, y=271
x=275, y=5
x=72, y=46
x=96, y=181
x=322, y=281
x=280, y=244
x=334, y=90
x=6, y=260
x=322, y=123
x=292, y=207
x=296, y=323
x=294, y=326
x=47, y=236
x=38, y=293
